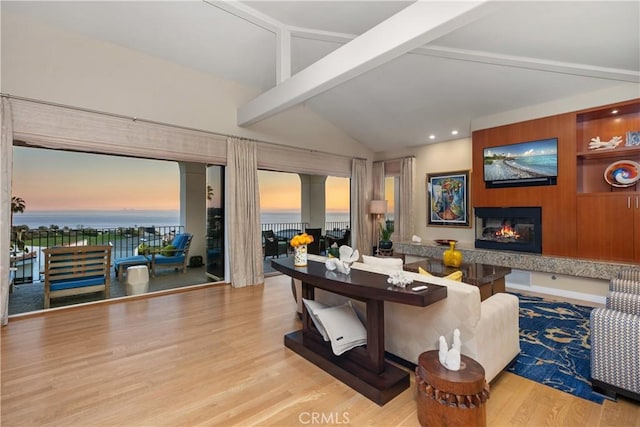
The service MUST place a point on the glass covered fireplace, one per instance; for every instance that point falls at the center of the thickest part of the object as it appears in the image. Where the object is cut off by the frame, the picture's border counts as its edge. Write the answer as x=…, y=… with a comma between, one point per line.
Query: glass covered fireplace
x=510, y=229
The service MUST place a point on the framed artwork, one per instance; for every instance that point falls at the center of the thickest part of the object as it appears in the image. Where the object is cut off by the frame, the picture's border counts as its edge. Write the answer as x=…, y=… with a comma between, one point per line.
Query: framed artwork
x=448, y=199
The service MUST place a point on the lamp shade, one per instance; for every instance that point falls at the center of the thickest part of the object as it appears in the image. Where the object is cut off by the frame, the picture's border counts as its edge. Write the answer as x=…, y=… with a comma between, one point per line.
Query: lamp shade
x=378, y=207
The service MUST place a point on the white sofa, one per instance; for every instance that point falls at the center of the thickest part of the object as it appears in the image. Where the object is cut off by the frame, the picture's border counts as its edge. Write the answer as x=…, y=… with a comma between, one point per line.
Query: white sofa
x=489, y=329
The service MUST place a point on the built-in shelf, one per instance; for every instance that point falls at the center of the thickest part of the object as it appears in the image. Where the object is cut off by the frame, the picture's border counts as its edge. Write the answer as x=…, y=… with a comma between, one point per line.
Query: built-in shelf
x=610, y=153
x=603, y=123
x=607, y=216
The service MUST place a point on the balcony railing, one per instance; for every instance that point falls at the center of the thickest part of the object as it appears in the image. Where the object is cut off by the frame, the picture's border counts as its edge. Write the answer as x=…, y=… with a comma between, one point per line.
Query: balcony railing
x=289, y=229
x=124, y=240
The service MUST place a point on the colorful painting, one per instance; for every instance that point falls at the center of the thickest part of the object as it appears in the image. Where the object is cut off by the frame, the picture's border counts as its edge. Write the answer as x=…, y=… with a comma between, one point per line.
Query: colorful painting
x=448, y=199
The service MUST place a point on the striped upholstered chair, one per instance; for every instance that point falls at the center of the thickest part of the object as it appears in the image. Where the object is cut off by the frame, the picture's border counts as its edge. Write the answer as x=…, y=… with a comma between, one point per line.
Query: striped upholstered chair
x=615, y=339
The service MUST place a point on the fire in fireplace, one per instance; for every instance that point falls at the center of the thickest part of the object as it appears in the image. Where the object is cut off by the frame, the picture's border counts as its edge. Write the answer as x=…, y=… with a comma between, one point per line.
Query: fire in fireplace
x=511, y=229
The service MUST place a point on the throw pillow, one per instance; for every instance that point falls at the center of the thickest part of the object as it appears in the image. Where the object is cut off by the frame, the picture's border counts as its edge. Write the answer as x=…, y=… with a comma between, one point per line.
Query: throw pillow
x=343, y=326
x=168, y=250
x=312, y=308
x=423, y=271
x=456, y=275
x=393, y=264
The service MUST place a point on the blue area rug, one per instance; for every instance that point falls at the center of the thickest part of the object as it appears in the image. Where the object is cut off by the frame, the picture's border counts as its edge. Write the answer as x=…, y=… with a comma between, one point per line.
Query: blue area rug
x=555, y=346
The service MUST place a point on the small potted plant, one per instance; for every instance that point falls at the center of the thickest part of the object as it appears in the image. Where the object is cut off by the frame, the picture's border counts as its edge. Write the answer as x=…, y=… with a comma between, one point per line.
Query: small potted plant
x=17, y=243
x=385, y=235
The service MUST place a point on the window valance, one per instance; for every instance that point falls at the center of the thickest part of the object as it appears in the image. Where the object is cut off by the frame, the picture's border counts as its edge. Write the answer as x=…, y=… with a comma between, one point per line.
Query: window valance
x=59, y=127
x=45, y=125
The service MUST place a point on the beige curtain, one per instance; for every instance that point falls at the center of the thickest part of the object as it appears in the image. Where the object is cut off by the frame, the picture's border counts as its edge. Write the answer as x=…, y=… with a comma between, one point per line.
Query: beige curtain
x=243, y=205
x=361, y=233
x=404, y=221
x=378, y=181
x=6, y=164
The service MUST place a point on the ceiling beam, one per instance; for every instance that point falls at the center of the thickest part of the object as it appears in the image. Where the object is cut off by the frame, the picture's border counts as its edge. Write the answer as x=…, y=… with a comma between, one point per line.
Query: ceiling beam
x=259, y=19
x=524, y=62
x=283, y=56
x=247, y=13
x=410, y=28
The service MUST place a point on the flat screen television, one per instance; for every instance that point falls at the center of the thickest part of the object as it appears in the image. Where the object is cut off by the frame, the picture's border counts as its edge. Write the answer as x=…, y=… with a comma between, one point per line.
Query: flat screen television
x=521, y=164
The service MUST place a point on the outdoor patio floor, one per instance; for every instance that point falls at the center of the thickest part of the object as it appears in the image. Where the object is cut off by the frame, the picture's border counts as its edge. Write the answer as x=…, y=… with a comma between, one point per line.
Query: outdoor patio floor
x=29, y=297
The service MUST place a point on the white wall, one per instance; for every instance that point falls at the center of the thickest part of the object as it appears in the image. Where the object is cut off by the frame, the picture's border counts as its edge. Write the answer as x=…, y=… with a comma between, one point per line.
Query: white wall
x=446, y=156
x=43, y=62
x=193, y=205
x=622, y=92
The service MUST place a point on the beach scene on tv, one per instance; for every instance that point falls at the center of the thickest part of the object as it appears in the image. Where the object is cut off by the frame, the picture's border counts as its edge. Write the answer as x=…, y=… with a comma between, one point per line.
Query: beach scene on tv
x=520, y=161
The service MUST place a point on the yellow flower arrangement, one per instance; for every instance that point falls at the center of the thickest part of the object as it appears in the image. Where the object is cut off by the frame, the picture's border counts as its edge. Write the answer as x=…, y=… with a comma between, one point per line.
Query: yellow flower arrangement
x=301, y=239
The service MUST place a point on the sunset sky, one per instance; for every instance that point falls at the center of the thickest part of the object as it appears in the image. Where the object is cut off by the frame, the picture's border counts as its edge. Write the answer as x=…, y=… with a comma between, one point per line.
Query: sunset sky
x=59, y=180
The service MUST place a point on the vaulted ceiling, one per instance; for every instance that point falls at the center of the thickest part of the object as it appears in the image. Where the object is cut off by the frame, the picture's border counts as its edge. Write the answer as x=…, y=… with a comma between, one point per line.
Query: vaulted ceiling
x=388, y=73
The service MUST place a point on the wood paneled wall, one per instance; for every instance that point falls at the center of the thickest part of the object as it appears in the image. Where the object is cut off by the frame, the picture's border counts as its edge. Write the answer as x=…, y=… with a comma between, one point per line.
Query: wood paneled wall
x=558, y=201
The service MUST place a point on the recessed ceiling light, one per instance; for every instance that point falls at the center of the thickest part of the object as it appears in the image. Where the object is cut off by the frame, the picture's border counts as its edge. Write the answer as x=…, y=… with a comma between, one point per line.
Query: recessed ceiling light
x=432, y=136
x=454, y=132
x=614, y=112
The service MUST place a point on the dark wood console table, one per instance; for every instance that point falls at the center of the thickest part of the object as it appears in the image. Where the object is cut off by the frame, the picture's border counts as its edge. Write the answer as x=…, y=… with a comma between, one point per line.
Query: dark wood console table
x=362, y=368
x=488, y=278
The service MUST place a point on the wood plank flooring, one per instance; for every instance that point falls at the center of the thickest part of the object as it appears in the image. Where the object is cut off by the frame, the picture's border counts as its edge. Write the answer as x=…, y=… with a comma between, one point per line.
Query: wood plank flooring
x=214, y=356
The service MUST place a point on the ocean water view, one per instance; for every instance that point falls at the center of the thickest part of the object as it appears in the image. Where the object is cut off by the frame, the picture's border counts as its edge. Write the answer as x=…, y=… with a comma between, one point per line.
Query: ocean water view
x=546, y=164
x=137, y=218
x=521, y=167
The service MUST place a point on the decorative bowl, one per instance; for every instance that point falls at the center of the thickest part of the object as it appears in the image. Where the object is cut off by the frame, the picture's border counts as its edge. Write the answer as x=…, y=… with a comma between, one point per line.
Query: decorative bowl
x=445, y=242
x=623, y=173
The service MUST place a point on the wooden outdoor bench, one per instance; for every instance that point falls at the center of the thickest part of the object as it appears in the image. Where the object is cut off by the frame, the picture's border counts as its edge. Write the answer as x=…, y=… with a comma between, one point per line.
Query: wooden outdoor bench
x=76, y=270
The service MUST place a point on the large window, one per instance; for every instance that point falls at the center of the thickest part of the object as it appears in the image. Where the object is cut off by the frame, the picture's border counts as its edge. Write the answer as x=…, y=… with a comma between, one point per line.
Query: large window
x=280, y=197
x=63, y=183
x=390, y=185
x=338, y=203
x=291, y=203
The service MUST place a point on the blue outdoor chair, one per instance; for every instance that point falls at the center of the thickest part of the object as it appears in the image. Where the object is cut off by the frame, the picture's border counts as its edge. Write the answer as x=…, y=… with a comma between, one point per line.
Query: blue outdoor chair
x=181, y=243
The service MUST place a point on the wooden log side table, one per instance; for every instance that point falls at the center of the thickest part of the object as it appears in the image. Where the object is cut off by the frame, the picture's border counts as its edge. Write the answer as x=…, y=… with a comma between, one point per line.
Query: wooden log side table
x=450, y=398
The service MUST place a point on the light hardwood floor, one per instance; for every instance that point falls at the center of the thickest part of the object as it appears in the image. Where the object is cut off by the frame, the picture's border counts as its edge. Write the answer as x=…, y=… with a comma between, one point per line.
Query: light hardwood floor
x=214, y=356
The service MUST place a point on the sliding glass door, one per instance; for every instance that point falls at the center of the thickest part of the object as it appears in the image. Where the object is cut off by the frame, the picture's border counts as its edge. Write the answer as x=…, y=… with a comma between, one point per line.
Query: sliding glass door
x=215, y=222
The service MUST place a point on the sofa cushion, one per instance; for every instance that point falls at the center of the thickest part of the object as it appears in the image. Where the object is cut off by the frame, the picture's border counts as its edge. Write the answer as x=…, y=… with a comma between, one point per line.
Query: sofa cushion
x=389, y=264
x=176, y=259
x=180, y=241
x=343, y=327
x=58, y=285
x=130, y=260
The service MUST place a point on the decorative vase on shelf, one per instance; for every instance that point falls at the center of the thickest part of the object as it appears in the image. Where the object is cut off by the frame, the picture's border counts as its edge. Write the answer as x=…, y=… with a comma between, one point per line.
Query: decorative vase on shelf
x=452, y=257
x=300, y=256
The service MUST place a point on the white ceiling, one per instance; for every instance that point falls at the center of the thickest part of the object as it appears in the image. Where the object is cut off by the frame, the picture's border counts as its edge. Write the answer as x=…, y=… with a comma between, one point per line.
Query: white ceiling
x=522, y=54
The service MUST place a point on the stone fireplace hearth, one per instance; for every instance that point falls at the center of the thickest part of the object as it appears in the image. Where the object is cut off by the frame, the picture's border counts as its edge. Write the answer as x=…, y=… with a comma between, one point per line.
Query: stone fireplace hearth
x=518, y=260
